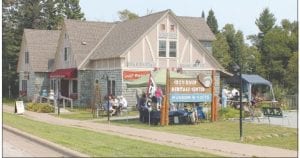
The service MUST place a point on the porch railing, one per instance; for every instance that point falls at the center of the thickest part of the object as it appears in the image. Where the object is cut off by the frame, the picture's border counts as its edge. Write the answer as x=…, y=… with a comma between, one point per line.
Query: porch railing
x=64, y=99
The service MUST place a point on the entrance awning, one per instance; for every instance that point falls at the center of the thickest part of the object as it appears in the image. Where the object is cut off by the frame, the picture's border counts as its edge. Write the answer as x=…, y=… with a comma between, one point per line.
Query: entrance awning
x=64, y=73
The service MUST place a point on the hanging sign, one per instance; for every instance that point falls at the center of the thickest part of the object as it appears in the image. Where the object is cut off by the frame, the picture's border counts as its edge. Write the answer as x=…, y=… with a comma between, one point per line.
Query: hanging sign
x=188, y=90
x=19, y=107
x=133, y=75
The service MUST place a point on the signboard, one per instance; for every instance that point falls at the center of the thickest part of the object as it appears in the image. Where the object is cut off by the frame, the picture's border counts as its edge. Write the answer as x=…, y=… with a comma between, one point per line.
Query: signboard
x=19, y=107
x=196, y=97
x=133, y=75
x=189, y=90
x=187, y=85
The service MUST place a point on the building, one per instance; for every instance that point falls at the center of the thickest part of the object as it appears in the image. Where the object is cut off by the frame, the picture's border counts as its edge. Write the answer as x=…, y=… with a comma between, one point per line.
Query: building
x=98, y=52
x=37, y=48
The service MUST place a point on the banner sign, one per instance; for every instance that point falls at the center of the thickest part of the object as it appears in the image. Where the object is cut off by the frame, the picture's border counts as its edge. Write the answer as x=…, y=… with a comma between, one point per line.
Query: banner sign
x=189, y=90
x=196, y=97
x=187, y=85
x=133, y=75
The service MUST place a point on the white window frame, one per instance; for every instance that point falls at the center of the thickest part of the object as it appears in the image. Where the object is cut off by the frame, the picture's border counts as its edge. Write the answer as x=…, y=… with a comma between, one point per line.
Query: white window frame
x=175, y=48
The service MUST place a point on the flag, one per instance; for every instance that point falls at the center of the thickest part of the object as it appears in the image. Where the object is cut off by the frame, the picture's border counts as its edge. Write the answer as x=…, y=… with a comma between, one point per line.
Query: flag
x=151, y=87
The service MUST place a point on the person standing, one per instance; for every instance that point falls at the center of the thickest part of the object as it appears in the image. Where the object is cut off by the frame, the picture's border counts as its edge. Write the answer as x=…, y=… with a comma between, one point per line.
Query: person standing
x=158, y=95
x=224, y=97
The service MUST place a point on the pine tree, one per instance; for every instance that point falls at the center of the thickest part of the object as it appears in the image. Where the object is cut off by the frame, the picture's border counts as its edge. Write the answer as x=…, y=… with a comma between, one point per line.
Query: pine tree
x=72, y=10
x=127, y=15
x=212, y=22
x=266, y=21
x=203, y=14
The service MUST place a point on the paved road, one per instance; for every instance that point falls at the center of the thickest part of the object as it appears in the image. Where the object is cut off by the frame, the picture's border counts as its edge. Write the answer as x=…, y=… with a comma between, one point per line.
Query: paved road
x=15, y=145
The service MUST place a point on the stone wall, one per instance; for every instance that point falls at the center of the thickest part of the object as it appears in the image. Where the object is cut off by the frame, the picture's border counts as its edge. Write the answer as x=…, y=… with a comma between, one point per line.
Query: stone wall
x=85, y=84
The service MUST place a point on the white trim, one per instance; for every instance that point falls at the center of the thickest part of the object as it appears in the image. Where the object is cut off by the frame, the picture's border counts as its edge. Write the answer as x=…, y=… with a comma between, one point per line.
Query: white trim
x=143, y=49
x=150, y=47
x=92, y=51
x=168, y=62
x=128, y=56
x=184, y=48
x=191, y=52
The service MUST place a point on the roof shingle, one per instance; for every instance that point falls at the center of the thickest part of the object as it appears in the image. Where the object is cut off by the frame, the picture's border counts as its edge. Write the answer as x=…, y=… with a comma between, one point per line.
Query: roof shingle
x=41, y=46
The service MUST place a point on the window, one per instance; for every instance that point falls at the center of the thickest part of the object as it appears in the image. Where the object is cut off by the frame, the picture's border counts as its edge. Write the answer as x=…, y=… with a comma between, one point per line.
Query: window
x=111, y=85
x=172, y=49
x=162, y=27
x=162, y=48
x=66, y=54
x=74, y=86
x=24, y=85
x=26, y=57
x=172, y=28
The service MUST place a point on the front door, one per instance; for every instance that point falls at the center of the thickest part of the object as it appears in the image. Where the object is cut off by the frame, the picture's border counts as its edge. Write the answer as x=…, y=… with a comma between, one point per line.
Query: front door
x=65, y=88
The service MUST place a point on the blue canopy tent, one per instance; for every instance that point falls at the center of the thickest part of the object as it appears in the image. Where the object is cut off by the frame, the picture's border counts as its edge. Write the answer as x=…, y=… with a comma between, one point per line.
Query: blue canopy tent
x=249, y=81
x=256, y=79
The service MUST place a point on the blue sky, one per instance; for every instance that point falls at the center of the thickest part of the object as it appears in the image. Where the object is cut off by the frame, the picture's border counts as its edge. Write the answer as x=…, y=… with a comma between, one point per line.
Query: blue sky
x=241, y=13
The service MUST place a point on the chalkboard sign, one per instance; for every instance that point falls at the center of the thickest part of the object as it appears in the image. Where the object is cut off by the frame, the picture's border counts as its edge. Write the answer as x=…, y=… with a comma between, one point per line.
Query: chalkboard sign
x=19, y=107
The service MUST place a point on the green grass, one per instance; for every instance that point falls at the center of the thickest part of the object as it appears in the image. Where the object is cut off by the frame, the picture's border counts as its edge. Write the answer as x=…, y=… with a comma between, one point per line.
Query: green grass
x=258, y=134
x=96, y=144
x=86, y=114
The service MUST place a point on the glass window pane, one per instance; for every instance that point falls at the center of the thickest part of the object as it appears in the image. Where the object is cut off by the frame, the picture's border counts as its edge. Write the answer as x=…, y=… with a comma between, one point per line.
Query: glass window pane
x=74, y=86
x=172, y=49
x=162, y=48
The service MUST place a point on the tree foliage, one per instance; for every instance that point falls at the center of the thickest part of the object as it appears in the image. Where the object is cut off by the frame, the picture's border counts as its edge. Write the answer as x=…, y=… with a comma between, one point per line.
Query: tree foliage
x=266, y=21
x=212, y=21
x=32, y=14
x=127, y=15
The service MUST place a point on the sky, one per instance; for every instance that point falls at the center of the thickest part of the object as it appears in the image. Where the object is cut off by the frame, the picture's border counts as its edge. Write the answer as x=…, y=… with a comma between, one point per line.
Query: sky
x=241, y=13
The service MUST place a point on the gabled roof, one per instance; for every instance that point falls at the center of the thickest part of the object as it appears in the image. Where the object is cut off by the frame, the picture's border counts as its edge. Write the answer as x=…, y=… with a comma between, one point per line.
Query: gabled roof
x=198, y=27
x=124, y=35
x=84, y=36
x=41, y=45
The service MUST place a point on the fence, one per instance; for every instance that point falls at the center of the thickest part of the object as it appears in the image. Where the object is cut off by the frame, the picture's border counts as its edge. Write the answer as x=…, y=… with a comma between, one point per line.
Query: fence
x=291, y=101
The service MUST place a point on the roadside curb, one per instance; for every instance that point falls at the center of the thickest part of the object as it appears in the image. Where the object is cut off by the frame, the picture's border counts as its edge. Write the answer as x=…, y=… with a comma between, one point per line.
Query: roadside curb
x=61, y=149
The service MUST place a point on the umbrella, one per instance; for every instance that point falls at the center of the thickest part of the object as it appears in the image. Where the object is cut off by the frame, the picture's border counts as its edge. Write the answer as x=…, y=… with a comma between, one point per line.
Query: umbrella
x=158, y=76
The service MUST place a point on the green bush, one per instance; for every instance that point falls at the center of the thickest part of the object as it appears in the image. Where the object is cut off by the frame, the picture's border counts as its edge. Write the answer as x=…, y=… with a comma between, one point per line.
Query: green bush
x=229, y=112
x=40, y=107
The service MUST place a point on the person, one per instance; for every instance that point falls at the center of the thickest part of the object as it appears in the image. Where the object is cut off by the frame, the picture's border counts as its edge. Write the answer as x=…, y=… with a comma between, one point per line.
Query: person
x=109, y=104
x=123, y=102
x=224, y=97
x=158, y=95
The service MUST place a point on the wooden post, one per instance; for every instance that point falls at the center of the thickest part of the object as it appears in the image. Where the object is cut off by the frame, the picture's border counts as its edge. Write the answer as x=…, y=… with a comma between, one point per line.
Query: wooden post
x=167, y=97
x=213, y=104
x=162, y=111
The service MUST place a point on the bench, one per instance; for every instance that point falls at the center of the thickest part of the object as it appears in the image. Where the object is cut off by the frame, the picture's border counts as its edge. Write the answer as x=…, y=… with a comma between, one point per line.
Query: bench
x=273, y=112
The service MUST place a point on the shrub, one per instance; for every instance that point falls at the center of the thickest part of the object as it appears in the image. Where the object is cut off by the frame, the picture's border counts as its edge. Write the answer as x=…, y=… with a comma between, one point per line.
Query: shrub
x=229, y=112
x=40, y=107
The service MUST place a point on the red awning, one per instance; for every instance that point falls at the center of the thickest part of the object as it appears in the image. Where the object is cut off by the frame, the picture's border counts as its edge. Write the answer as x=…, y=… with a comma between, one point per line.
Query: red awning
x=64, y=73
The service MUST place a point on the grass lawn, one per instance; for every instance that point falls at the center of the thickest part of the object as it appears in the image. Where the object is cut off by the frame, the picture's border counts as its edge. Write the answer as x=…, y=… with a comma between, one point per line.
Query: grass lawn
x=86, y=114
x=96, y=144
x=259, y=134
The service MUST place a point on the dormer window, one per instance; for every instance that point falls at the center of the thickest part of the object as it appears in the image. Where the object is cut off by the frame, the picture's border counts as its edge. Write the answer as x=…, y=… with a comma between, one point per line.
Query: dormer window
x=162, y=27
x=26, y=57
x=172, y=28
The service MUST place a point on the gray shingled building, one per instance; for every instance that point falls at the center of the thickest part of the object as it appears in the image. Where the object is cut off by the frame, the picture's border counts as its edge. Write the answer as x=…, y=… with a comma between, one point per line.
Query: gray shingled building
x=90, y=52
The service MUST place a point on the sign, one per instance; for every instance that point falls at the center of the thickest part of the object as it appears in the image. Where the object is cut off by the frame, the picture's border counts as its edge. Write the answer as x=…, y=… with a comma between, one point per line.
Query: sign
x=189, y=90
x=187, y=85
x=19, y=107
x=196, y=97
x=133, y=75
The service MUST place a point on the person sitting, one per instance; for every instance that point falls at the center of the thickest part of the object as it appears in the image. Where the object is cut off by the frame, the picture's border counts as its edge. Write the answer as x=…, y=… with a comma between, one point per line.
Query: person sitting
x=109, y=106
x=123, y=102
